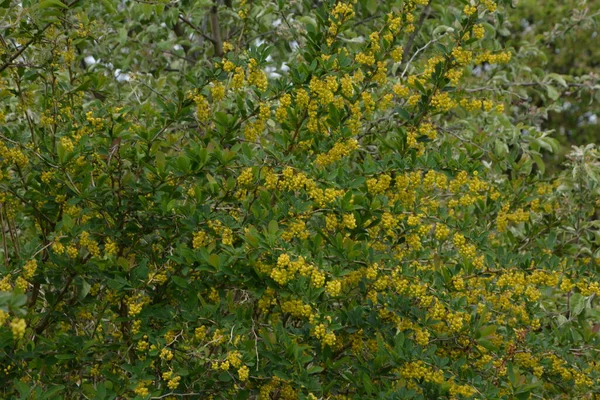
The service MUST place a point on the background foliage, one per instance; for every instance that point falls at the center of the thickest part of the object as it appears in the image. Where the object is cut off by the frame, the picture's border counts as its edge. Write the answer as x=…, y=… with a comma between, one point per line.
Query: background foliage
x=299, y=200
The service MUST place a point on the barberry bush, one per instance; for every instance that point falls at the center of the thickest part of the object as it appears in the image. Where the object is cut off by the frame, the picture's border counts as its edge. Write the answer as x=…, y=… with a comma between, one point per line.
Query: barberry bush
x=287, y=200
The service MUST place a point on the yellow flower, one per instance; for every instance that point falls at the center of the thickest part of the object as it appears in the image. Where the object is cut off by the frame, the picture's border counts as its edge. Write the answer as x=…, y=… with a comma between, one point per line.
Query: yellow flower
x=243, y=373
x=18, y=326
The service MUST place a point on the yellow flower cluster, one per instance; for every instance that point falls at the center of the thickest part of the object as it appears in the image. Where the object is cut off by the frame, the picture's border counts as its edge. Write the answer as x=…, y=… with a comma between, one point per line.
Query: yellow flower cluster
x=92, y=245
x=253, y=129
x=202, y=107
x=469, y=10
x=504, y=217
x=246, y=177
x=461, y=56
x=432, y=63
x=200, y=239
x=218, y=91
x=419, y=370
x=454, y=76
x=340, y=149
x=243, y=373
x=18, y=327
x=225, y=232
x=400, y=90
x=327, y=338
x=239, y=76
x=342, y=12
x=67, y=144
x=29, y=269
x=365, y=58
x=281, y=273
x=136, y=303
x=297, y=309
x=296, y=181
x=333, y=288
x=172, y=381
x=490, y=5
x=478, y=31
x=479, y=104
x=257, y=76
x=285, y=101
x=397, y=54
x=441, y=101
x=227, y=47
x=379, y=185
x=487, y=56
x=296, y=229
x=110, y=247
x=141, y=389
x=97, y=122
x=166, y=354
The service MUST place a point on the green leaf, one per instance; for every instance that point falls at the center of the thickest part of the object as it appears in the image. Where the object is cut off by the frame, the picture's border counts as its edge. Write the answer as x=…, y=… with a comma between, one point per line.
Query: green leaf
x=561, y=320
x=552, y=92
x=84, y=289
x=273, y=227
x=52, y=3
x=180, y=282
x=576, y=304
x=110, y=8
x=315, y=369
x=214, y=260
x=372, y=6
x=539, y=162
x=48, y=394
x=557, y=78
x=487, y=330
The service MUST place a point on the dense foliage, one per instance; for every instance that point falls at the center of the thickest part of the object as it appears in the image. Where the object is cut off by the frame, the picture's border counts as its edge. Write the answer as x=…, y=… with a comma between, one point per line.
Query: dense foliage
x=557, y=37
x=290, y=200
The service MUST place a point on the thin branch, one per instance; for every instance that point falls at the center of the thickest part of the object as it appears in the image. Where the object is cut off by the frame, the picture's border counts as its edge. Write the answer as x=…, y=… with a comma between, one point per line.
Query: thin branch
x=29, y=43
x=411, y=39
x=48, y=317
x=42, y=249
x=4, y=241
x=19, y=52
x=196, y=29
x=216, y=30
x=177, y=394
x=432, y=41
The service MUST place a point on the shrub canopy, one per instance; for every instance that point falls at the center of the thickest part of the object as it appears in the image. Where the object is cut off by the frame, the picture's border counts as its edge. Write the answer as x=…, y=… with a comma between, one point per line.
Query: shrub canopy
x=288, y=200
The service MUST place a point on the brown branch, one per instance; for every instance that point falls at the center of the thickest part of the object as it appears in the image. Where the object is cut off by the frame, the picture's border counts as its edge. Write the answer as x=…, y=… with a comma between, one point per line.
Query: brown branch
x=12, y=229
x=4, y=242
x=216, y=30
x=196, y=29
x=29, y=43
x=179, y=32
x=411, y=39
x=19, y=52
x=47, y=318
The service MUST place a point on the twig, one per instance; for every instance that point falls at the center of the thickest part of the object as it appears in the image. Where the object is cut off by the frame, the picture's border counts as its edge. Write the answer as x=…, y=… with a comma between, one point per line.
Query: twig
x=4, y=245
x=47, y=318
x=195, y=28
x=29, y=43
x=255, y=344
x=42, y=249
x=432, y=41
x=424, y=14
x=176, y=394
x=231, y=334
x=216, y=30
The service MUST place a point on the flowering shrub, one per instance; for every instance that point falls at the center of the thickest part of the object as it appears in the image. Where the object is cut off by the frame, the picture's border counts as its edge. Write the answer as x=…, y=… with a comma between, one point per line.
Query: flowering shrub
x=365, y=223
